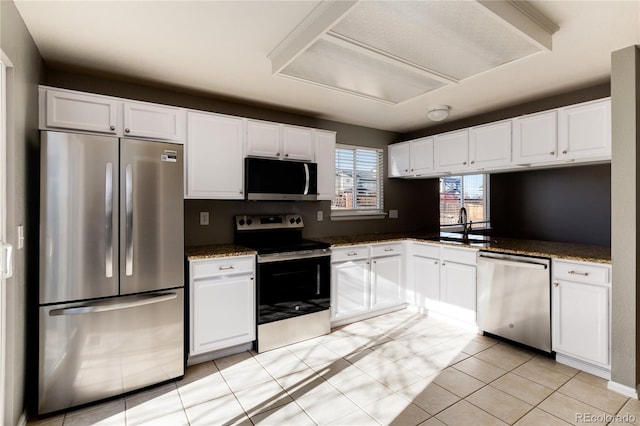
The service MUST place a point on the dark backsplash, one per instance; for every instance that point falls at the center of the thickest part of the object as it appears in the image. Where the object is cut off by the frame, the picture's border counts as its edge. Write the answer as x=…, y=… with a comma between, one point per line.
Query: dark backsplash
x=571, y=204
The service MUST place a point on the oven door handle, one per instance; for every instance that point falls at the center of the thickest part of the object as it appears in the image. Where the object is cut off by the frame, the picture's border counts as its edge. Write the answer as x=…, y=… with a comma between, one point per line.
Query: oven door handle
x=280, y=257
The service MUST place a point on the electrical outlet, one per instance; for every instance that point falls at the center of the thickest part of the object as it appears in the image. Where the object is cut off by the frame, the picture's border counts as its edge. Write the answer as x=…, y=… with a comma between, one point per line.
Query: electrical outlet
x=20, y=237
x=204, y=218
x=319, y=216
x=393, y=214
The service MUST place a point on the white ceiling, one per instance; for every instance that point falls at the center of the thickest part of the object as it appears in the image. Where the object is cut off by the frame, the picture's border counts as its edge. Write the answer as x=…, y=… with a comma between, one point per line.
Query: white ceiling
x=221, y=48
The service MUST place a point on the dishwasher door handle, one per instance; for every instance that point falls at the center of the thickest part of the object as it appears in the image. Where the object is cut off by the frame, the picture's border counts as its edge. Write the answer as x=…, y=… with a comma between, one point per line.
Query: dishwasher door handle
x=515, y=263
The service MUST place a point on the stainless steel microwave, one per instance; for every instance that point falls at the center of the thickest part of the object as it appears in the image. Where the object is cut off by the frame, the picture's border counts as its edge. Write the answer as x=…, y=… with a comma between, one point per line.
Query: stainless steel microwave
x=266, y=179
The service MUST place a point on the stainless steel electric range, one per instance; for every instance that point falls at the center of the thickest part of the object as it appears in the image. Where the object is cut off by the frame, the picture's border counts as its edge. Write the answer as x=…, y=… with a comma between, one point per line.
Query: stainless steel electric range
x=292, y=278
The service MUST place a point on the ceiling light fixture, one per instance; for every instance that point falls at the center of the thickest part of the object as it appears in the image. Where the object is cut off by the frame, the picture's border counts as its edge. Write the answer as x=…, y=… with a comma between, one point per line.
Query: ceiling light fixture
x=438, y=112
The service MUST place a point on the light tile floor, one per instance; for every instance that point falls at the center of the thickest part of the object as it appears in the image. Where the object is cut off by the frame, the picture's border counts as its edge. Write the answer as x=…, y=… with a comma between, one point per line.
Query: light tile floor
x=401, y=368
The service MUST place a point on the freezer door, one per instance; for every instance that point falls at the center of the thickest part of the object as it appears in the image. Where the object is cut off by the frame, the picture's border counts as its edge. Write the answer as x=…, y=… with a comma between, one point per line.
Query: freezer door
x=95, y=350
x=78, y=217
x=151, y=216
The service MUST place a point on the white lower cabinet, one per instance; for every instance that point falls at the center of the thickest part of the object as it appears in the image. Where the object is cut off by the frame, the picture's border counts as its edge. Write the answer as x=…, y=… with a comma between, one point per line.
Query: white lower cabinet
x=222, y=307
x=366, y=279
x=581, y=311
x=444, y=279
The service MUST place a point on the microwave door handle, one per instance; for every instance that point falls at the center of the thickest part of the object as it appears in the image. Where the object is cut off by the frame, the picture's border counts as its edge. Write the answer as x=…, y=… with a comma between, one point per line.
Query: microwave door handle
x=306, y=175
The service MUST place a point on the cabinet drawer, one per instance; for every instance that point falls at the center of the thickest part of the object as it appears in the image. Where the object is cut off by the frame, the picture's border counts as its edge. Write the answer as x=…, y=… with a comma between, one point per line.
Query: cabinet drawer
x=426, y=250
x=581, y=272
x=459, y=255
x=386, y=249
x=349, y=253
x=220, y=267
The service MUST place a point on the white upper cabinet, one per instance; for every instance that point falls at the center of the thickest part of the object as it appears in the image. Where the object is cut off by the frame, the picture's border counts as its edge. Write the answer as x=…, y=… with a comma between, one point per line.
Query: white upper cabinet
x=297, y=143
x=535, y=138
x=585, y=130
x=421, y=156
x=79, y=111
x=413, y=158
x=490, y=145
x=89, y=113
x=149, y=121
x=263, y=139
x=325, y=156
x=273, y=140
x=399, y=159
x=214, y=167
x=451, y=151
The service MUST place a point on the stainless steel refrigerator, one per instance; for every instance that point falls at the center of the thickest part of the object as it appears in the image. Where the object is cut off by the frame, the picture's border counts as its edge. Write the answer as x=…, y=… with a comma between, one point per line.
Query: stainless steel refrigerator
x=111, y=308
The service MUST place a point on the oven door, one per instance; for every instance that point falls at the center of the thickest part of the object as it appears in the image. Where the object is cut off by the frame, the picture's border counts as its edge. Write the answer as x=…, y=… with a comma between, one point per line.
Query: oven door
x=294, y=287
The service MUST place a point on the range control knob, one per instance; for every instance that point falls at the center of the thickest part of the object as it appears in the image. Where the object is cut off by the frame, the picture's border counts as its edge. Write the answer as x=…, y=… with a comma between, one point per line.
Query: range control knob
x=298, y=220
x=292, y=221
x=249, y=221
x=241, y=222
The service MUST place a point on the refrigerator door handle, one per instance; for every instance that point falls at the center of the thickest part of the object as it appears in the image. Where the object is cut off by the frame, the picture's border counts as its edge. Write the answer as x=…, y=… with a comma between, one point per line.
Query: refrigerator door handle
x=129, y=221
x=108, y=224
x=90, y=308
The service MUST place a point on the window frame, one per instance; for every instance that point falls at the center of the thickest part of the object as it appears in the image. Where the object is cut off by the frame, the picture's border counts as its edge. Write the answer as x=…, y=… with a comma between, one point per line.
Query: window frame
x=361, y=213
x=486, y=223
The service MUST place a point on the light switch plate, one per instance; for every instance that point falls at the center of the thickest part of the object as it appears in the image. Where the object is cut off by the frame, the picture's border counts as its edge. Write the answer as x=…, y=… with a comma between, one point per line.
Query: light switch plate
x=204, y=218
x=20, y=237
x=393, y=214
x=319, y=216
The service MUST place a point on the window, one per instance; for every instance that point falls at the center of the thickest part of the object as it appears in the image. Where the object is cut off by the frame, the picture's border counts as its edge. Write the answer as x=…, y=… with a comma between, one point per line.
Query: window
x=359, y=178
x=470, y=192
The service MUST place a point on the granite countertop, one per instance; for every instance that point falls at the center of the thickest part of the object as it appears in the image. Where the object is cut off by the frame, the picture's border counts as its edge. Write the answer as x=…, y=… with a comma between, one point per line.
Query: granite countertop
x=568, y=251
x=216, y=251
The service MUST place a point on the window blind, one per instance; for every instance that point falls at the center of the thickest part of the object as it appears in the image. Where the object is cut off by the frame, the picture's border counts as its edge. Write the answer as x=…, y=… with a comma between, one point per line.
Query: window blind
x=359, y=176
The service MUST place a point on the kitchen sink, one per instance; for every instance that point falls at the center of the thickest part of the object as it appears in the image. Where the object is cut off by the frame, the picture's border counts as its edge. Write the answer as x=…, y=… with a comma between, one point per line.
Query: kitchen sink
x=459, y=238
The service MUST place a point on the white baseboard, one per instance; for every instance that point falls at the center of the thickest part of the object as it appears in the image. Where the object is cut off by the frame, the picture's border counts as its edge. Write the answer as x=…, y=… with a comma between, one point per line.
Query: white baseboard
x=603, y=372
x=197, y=359
x=624, y=390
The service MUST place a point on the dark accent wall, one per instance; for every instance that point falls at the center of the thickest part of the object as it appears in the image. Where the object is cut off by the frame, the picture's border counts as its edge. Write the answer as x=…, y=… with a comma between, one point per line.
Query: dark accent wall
x=415, y=200
x=570, y=204
x=22, y=207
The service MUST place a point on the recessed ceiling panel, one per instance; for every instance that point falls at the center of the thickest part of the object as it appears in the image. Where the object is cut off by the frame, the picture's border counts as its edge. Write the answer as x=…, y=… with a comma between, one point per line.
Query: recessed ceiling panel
x=339, y=67
x=458, y=39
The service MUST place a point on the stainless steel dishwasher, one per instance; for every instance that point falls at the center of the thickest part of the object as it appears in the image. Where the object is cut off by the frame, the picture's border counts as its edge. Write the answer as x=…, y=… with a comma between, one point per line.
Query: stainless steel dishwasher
x=514, y=298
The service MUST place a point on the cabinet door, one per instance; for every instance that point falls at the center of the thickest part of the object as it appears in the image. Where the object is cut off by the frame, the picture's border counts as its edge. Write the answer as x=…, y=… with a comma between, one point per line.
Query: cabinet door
x=426, y=276
x=490, y=145
x=222, y=313
x=263, y=139
x=458, y=291
x=297, y=143
x=325, y=148
x=451, y=151
x=214, y=156
x=580, y=321
x=350, y=292
x=151, y=121
x=386, y=282
x=77, y=111
x=535, y=138
x=585, y=130
x=399, y=159
x=421, y=156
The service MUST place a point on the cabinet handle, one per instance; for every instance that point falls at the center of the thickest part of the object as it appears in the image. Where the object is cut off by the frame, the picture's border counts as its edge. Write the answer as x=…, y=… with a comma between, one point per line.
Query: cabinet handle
x=435, y=263
x=556, y=284
x=226, y=268
x=584, y=274
x=564, y=152
x=464, y=163
x=552, y=153
x=388, y=249
x=443, y=264
x=286, y=155
x=112, y=127
x=277, y=154
x=353, y=253
x=406, y=170
x=473, y=162
x=127, y=130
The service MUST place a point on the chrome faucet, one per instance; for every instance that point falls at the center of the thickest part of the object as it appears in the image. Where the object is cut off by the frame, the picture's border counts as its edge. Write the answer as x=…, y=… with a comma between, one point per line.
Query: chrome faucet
x=466, y=226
